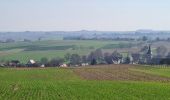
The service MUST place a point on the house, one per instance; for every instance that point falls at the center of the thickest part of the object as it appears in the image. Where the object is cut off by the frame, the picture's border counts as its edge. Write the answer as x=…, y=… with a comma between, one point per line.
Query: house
x=84, y=64
x=42, y=66
x=14, y=63
x=118, y=61
x=2, y=65
x=32, y=63
x=63, y=65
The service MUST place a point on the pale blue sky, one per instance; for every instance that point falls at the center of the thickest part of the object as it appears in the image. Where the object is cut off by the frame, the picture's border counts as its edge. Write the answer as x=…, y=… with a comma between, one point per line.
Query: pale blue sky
x=104, y=15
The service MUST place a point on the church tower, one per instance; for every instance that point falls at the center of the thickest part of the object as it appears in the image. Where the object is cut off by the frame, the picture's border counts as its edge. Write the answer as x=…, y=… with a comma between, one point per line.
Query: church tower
x=149, y=55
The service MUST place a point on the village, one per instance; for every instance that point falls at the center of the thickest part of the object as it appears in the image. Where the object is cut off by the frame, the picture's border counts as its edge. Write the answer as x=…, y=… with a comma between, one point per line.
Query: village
x=97, y=57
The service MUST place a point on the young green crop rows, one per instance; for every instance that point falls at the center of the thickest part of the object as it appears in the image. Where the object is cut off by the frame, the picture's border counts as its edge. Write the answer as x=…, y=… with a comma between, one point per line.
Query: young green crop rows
x=64, y=84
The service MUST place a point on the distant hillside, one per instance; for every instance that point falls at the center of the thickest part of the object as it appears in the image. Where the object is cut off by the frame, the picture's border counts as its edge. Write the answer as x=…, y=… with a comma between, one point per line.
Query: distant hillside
x=38, y=35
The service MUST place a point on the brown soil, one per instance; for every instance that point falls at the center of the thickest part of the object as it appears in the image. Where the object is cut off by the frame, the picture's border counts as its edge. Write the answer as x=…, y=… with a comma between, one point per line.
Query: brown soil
x=117, y=72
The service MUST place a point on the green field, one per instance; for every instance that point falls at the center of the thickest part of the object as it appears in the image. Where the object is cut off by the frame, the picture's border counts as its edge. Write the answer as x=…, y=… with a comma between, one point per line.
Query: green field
x=157, y=70
x=64, y=84
x=23, y=51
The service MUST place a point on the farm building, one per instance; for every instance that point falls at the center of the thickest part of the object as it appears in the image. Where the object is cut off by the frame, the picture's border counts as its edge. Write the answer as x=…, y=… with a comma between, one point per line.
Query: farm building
x=32, y=63
x=14, y=63
x=63, y=65
x=84, y=64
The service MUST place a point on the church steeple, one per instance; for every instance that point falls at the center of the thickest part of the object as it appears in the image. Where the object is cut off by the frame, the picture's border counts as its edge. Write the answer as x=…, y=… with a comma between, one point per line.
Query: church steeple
x=149, y=50
x=149, y=55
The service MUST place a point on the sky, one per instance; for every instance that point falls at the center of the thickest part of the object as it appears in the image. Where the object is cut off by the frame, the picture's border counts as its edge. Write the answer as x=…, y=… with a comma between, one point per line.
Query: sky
x=74, y=15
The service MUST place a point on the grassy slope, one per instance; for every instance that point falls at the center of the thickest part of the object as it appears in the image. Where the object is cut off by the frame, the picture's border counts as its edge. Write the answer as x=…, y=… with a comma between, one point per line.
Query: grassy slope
x=63, y=84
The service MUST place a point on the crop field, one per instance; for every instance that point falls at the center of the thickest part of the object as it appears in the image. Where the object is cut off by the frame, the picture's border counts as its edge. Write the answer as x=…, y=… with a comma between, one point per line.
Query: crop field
x=107, y=82
x=23, y=51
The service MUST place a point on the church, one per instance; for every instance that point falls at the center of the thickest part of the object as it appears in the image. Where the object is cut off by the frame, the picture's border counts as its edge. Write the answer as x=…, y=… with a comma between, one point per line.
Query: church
x=149, y=55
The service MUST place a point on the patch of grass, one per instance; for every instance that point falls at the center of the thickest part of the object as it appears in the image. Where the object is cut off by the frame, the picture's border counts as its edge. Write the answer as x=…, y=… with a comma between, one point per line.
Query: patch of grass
x=121, y=45
x=155, y=70
x=49, y=74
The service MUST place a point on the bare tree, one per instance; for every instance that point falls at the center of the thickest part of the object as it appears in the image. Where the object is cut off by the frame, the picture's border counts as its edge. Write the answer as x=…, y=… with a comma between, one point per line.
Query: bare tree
x=67, y=56
x=75, y=59
x=44, y=60
x=55, y=62
x=116, y=56
x=161, y=51
x=144, y=38
x=91, y=56
x=136, y=57
x=144, y=49
x=98, y=54
x=108, y=58
x=84, y=59
x=93, y=62
x=168, y=56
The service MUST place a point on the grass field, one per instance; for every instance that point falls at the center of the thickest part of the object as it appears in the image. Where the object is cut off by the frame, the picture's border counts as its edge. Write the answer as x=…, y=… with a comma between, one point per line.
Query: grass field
x=157, y=70
x=109, y=82
x=24, y=51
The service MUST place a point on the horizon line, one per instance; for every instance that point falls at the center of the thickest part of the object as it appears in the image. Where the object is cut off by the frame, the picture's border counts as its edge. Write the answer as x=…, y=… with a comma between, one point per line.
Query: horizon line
x=87, y=30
